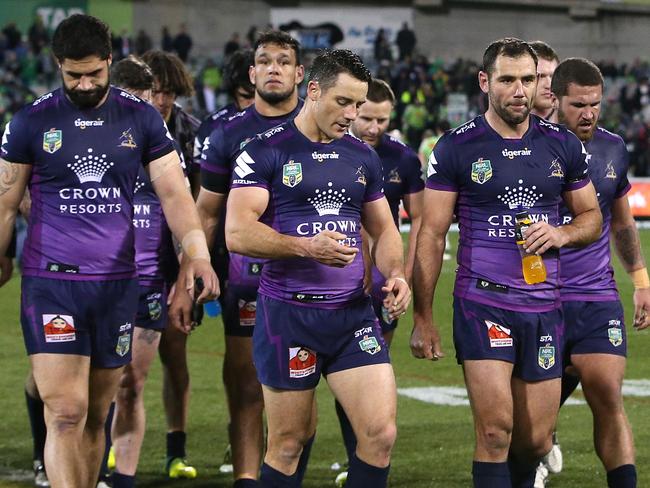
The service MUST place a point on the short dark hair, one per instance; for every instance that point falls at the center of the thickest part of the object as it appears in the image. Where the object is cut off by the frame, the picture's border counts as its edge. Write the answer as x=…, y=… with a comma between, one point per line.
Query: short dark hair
x=235, y=73
x=329, y=64
x=80, y=36
x=169, y=72
x=580, y=71
x=281, y=39
x=379, y=91
x=544, y=51
x=132, y=73
x=508, y=46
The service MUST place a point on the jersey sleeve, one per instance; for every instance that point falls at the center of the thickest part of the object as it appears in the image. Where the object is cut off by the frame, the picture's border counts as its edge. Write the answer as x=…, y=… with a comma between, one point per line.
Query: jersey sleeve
x=160, y=141
x=623, y=186
x=576, y=175
x=254, y=166
x=16, y=140
x=413, y=181
x=215, y=162
x=374, y=178
x=441, y=174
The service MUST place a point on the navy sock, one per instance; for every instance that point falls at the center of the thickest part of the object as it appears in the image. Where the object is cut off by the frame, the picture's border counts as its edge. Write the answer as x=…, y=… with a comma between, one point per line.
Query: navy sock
x=569, y=384
x=349, y=439
x=35, y=409
x=522, y=475
x=123, y=480
x=490, y=475
x=245, y=483
x=304, y=459
x=175, y=444
x=622, y=477
x=103, y=470
x=272, y=478
x=363, y=475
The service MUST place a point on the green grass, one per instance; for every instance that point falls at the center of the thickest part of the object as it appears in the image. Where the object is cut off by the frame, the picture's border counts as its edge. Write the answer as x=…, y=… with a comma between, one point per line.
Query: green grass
x=434, y=446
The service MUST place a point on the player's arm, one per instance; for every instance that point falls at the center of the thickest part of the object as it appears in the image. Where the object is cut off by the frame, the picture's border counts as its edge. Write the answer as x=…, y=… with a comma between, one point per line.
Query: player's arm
x=180, y=212
x=209, y=205
x=430, y=248
x=413, y=207
x=13, y=181
x=628, y=247
x=584, y=229
x=385, y=245
x=245, y=234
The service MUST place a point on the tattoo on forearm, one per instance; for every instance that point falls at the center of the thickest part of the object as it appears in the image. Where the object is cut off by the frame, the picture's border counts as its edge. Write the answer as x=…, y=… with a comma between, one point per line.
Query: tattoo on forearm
x=148, y=335
x=627, y=244
x=8, y=176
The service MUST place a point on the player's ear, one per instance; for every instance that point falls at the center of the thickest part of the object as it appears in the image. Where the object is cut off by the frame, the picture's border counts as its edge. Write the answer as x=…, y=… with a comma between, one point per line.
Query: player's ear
x=483, y=81
x=109, y=60
x=313, y=90
x=251, y=74
x=300, y=74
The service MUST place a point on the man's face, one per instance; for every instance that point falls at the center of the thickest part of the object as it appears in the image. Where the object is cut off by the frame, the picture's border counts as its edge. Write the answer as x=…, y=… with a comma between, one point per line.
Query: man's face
x=511, y=87
x=85, y=81
x=372, y=121
x=163, y=100
x=338, y=106
x=579, y=109
x=544, y=97
x=275, y=73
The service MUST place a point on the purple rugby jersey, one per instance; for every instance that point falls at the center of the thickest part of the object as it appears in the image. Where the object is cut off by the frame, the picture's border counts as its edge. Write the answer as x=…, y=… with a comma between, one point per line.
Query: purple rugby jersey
x=313, y=187
x=209, y=124
x=586, y=274
x=494, y=178
x=226, y=140
x=84, y=168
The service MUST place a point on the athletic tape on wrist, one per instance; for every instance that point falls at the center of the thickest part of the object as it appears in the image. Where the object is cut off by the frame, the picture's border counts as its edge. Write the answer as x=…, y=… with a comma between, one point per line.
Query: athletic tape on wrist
x=194, y=245
x=640, y=278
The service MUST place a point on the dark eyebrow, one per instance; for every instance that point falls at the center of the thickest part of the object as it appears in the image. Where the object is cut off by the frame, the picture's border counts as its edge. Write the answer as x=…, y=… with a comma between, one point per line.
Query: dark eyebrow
x=79, y=75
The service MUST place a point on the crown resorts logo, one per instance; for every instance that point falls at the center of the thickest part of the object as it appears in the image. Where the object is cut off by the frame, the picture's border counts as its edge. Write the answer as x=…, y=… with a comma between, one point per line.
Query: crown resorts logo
x=520, y=196
x=90, y=168
x=138, y=184
x=328, y=202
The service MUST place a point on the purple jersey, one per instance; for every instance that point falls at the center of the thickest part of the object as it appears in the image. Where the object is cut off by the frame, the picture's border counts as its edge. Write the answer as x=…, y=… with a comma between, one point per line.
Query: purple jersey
x=84, y=167
x=313, y=187
x=402, y=171
x=217, y=163
x=587, y=273
x=208, y=125
x=495, y=178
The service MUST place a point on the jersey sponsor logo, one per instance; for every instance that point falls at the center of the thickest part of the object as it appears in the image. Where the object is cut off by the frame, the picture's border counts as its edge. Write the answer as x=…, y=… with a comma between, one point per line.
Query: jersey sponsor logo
x=129, y=96
x=342, y=226
x=394, y=177
x=302, y=362
x=556, y=169
x=247, y=311
x=154, y=306
x=499, y=335
x=82, y=124
x=519, y=196
x=361, y=176
x=361, y=332
x=90, y=167
x=546, y=338
x=43, y=98
x=611, y=172
x=271, y=132
x=507, y=153
x=320, y=157
x=139, y=184
x=490, y=286
x=329, y=201
x=58, y=328
x=255, y=269
x=548, y=125
x=464, y=128
x=370, y=344
x=546, y=357
x=52, y=140
x=431, y=170
x=481, y=171
x=62, y=268
x=291, y=174
x=244, y=162
x=503, y=225
x=127, y=140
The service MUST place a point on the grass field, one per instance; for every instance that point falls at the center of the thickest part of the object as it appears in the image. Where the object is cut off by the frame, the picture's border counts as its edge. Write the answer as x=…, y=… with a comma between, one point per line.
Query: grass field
x=434, y=446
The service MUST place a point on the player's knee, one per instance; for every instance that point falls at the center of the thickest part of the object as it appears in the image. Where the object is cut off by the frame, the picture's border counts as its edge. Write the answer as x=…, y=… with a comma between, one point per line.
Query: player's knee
x=64, y=417
x=495, y=435
x=605, y=397
x=380, y=437
x=287, y=448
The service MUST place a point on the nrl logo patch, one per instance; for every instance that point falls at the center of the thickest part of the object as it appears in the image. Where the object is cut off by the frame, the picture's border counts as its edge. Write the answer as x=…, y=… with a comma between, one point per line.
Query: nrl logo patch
x=123, y=344
x=52, y=141
x=481, y=171
x=291, y=174
x=546, y=357
x=369, y=345
x=615, y=336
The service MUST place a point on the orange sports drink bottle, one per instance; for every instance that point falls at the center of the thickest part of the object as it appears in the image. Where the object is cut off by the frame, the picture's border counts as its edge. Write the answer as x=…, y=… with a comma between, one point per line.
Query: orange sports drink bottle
x=532, y=264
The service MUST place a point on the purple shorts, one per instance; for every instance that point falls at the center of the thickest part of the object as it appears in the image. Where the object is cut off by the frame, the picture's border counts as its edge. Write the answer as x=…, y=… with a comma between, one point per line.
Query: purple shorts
x=239, y=306
x=531, y=341
x=88, y=318
x=152, y=308
x=594, y=327
x=293, y=345
x=378, y=296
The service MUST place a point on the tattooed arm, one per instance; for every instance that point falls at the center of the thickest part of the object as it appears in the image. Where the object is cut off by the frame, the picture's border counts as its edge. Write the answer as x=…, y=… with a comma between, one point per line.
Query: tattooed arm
x=13, y=181
x=628, y=247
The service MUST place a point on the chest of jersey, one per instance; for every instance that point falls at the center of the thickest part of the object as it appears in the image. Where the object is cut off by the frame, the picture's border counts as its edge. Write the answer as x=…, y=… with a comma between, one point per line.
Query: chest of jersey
x=606, y=169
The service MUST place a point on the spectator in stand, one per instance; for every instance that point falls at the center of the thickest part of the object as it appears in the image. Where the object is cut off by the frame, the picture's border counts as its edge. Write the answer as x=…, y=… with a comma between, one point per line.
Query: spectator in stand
x=232, y=45
x=182, y=44
x=143, y=43
x=12, y=35
x=38, y=36
x=406, y=42
x=166, y=40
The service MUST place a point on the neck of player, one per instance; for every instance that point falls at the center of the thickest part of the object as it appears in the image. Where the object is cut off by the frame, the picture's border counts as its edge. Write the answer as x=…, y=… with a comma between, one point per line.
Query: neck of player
x=505, y=129
x=306, y=123
x=284, y=107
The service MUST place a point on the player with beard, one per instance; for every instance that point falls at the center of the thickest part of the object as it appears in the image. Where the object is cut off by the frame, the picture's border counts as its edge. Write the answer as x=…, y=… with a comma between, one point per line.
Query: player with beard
x=80, y=148
x=507, y=333
x=545, y=104
x=595, y=338
x=276, y=74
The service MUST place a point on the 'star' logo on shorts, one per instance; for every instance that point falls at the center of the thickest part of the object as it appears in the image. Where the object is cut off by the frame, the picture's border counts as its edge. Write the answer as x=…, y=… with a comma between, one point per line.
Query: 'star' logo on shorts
x=58, y=328
x=302, y=362
x=498, y=334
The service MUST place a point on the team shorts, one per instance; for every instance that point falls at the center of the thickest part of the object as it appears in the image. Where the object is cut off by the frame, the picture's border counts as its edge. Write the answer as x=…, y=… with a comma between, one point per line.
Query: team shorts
x=239, y=305
x=530, y=341
x=594, y=327
x=293, y=345
x=152, y=308
x=387, y=325
x=88, y=318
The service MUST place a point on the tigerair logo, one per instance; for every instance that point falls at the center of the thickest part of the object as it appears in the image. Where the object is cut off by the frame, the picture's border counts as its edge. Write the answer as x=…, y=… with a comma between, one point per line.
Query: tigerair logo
x=320, y=157
x=90, y=167
x=507, y=153
x=520, y=196
x=328, y=201
x=82, y=124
